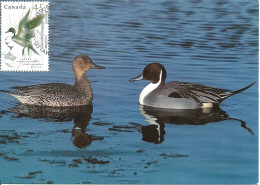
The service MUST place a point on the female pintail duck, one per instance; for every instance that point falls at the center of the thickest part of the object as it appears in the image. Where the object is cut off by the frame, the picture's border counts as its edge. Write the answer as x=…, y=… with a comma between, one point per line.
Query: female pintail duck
x=178, y=95
x=60, y=94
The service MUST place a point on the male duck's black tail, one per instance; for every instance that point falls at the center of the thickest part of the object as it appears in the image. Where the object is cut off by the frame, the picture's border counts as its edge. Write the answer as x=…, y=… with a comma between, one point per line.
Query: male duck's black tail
x=228, y=94
x=241, y=90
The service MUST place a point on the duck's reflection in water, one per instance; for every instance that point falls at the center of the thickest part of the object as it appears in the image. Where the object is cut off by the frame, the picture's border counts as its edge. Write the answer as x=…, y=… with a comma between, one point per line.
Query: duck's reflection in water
x=157, y=117
x=80, y=115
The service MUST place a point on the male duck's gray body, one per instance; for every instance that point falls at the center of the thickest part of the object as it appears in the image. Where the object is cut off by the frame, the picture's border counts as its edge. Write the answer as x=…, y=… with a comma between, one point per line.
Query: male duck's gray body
x=60, y=94
x=178, y=95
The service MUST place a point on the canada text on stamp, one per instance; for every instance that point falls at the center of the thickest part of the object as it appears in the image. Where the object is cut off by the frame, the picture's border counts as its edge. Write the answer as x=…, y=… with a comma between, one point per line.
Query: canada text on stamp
x=24, y=36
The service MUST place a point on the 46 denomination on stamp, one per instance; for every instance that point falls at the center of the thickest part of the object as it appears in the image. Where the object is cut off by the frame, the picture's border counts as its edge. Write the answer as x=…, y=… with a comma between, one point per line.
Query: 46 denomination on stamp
x=24, y=36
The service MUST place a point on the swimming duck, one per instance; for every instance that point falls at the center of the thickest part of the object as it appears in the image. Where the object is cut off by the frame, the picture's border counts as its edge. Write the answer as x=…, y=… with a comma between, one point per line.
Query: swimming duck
x=178, y=95
x=25, y=28
x=60, y=94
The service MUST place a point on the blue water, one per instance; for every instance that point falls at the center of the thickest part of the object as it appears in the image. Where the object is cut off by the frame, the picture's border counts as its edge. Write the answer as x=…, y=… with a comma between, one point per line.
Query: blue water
x=209, y=42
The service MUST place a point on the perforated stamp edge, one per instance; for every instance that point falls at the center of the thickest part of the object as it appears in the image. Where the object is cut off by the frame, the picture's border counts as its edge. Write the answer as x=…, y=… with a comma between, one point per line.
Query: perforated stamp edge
x=25, y=48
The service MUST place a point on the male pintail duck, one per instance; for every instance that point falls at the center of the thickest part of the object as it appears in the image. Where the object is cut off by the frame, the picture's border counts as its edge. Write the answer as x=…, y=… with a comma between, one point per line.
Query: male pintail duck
x=25, y=28
x=60, y=94
x=178, y=95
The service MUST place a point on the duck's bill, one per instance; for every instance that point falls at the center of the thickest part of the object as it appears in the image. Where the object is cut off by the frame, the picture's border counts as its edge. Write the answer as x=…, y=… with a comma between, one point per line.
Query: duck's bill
x=140, y=77
x=95, y=66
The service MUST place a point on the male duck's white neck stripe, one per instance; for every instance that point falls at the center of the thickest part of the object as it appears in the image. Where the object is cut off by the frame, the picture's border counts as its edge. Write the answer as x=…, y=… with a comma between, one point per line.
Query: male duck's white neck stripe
x=148, y=89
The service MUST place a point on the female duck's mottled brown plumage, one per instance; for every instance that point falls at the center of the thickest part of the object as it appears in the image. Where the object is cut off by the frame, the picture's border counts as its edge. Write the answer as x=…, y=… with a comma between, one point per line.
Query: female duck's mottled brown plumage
x=60, y=94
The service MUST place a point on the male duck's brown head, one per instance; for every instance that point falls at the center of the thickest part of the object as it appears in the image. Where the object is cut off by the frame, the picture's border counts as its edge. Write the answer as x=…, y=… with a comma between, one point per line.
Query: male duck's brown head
x=153, y=72
x=82, y=63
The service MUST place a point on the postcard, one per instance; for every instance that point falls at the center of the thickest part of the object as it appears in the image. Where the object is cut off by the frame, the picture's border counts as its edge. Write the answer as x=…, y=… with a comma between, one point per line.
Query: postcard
x=129, y=92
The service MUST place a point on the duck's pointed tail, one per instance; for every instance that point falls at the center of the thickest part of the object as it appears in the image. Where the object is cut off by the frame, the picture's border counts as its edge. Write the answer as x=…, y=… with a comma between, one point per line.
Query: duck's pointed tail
x=11, y=93
x=6, y=92
x=16, y=95
x=241, y=90
x=236, y=92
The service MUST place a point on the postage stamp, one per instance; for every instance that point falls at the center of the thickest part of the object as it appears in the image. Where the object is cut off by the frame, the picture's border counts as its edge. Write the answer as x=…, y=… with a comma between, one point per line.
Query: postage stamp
x=24, y=36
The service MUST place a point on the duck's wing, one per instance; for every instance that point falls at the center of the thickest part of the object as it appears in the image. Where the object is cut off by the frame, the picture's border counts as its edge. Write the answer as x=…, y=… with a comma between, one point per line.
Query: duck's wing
x=200, y=93
x=26, y=25
x=35, y=22
x=38, y=90
x=22, y=32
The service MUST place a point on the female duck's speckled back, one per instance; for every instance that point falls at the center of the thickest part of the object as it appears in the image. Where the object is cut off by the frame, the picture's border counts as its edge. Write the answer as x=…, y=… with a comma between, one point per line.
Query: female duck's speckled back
x=60, y=94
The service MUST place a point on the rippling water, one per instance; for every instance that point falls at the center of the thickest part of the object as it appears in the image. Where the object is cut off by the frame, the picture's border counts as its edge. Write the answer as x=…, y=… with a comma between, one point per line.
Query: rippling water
x=117, y=141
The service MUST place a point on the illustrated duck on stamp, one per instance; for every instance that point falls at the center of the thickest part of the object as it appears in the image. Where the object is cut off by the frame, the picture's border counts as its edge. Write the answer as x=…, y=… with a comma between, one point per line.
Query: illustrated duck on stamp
x=60, y=94
x=178, y=95
x=24, y=35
